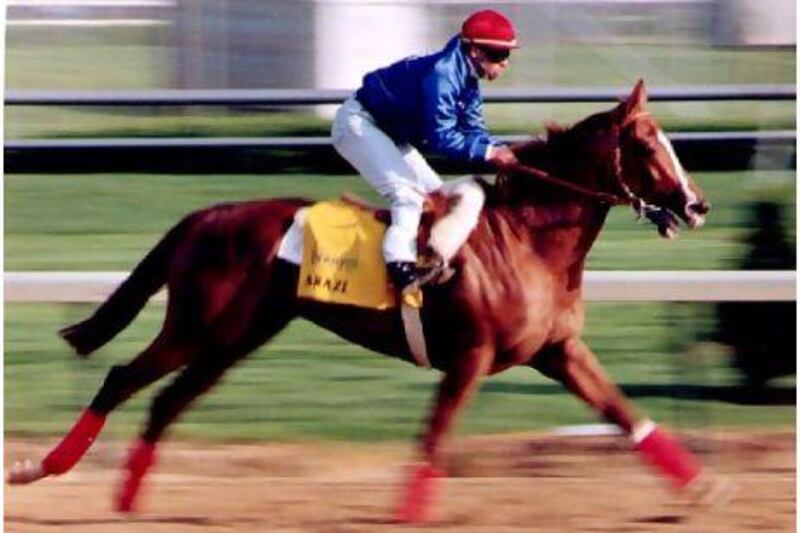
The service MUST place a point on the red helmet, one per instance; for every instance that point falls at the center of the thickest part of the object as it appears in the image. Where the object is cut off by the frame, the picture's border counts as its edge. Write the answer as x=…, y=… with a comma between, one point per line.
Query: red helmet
x=489, y=28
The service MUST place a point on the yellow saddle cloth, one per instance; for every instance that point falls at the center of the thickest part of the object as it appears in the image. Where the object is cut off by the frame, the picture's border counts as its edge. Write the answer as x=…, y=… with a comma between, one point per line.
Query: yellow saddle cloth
x=342, y=257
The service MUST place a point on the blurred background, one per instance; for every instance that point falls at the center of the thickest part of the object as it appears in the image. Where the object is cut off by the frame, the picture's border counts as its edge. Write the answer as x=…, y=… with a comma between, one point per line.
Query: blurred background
x=76, y=201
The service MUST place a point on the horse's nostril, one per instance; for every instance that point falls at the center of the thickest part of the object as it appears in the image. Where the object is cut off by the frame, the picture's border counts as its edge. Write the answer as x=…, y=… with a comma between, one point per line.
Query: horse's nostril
x=701, y=207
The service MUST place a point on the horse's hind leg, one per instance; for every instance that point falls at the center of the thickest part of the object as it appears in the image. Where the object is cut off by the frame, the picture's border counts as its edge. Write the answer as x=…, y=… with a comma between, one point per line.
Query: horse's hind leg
x=165, y=409
x=573, y=364
x=254, y=316
x=121, y=382
x=170, y=402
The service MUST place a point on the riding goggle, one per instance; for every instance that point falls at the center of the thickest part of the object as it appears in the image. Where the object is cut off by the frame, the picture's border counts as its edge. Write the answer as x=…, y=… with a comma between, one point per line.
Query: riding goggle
x=496, y=55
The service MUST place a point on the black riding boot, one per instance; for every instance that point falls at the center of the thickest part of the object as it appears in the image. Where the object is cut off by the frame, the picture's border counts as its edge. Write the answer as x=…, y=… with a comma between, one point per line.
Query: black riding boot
x=402, y=273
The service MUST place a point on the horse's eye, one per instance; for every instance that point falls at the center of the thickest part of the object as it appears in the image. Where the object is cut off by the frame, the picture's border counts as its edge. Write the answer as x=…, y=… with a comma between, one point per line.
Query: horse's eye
x=644, y=150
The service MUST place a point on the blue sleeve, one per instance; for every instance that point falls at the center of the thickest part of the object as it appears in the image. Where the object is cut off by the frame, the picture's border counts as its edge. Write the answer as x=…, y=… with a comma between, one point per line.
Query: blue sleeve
x=473, y=117
x=445, y=135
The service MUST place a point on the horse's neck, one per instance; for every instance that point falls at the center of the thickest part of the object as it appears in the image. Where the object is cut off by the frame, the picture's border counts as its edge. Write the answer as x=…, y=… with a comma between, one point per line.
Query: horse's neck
x=552, y=218
x=561, y=234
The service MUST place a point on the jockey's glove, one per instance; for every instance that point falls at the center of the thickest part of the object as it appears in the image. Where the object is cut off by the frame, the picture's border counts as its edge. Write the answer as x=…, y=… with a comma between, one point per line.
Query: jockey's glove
x=502, y=156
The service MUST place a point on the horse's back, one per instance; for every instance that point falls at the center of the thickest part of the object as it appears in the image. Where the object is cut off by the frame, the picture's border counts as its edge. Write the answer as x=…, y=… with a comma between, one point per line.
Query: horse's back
x=242, y=224
x=228, y=249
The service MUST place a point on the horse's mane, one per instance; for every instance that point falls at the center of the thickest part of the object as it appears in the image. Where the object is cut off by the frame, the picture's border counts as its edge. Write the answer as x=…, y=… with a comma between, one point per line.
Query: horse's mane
x=559, y=151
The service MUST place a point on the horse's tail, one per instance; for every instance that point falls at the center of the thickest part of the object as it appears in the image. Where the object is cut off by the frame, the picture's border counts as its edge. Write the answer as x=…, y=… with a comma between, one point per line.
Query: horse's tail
x=129, y=298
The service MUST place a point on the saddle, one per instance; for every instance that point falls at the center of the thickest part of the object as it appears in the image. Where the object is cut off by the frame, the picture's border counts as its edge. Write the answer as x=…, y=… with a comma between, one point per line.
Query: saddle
x=342, y=259
x=433, y=269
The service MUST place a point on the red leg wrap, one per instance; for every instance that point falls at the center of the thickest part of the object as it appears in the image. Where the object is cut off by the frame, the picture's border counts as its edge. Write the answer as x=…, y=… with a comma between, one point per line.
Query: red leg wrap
x=668, y=455
x=74, y=444
x=140, y=459
x=422, y=489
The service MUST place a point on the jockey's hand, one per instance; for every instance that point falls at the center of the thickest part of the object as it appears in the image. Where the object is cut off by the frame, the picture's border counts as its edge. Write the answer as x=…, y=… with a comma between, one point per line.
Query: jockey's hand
x=502, y=157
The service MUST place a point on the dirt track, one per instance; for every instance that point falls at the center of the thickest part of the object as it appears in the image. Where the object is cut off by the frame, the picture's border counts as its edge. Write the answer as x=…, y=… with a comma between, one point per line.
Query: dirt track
x=527, y=482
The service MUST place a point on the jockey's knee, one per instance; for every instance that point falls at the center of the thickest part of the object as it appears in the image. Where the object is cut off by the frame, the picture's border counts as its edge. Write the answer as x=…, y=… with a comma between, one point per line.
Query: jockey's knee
x=403, y=196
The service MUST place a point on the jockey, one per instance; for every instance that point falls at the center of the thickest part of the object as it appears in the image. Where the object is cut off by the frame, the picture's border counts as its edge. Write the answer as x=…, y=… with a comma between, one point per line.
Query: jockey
x=431, y=103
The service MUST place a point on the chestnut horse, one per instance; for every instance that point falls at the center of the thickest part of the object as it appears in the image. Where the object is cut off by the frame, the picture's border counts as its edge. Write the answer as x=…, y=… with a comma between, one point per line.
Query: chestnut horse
x=515, y=298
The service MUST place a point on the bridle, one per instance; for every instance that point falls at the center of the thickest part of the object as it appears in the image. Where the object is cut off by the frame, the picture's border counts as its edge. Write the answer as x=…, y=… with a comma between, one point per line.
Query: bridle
x=658, y=215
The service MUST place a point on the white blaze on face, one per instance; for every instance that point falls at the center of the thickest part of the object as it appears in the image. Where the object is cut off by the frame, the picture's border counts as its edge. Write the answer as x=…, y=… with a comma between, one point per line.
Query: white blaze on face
x=682, y=177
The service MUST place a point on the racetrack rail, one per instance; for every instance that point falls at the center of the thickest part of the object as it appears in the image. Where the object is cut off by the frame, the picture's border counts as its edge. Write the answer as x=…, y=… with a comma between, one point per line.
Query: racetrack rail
x=785, y=137
x=618, y=286
x=299, y=97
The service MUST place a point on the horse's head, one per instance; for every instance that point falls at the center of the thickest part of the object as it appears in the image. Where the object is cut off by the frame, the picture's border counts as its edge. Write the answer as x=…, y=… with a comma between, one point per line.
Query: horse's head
x=620, y=156
x=649, y=168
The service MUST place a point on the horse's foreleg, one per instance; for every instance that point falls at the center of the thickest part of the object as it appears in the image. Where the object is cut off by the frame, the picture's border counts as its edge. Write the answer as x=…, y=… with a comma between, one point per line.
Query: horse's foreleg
x=455, y=389
x=573, y=364
x=120, y=383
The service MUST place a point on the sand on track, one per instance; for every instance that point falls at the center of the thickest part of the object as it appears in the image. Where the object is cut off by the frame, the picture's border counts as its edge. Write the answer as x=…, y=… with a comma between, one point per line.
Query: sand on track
x=520, y=482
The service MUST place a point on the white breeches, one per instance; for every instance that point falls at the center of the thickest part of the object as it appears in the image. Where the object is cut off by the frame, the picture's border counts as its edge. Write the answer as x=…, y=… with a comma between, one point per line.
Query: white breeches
x=402, y=176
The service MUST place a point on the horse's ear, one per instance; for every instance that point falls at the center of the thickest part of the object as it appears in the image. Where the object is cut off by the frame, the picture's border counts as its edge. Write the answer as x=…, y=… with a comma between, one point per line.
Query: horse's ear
x=553, y=127
x=633, y=104
x=638, y=98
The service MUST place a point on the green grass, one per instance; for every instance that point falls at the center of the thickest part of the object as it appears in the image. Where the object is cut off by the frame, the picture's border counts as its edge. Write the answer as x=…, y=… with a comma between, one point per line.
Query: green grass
x=660, y=64
x=523, y=119
x=34, y=62
x=130, y=122
x=100, y=58
x=133, y=58
x=108, y=221
x=308, y=384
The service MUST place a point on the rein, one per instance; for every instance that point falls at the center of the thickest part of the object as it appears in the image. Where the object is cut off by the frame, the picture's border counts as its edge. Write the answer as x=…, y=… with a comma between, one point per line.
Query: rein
x=610, y=198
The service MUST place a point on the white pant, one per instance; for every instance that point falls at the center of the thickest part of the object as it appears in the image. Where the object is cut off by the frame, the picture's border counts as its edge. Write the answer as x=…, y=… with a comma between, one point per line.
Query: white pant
x=398, y=173
x=402, y=176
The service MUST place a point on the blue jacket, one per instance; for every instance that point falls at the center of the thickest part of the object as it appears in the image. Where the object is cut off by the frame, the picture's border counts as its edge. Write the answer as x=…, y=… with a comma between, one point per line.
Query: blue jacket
x=431, y=102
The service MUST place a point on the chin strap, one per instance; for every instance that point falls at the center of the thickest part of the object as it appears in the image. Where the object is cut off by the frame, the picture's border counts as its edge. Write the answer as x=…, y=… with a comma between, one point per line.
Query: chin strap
x=660, y=216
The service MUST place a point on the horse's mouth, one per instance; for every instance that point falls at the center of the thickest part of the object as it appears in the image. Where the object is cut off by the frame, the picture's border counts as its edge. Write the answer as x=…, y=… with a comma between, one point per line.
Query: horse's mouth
x=692, y=214
x=668, y=224
x=695, y=221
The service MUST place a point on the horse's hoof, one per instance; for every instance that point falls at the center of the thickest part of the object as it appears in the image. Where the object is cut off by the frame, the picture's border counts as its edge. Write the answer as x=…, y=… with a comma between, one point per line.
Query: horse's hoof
x=24, y=473
x=125, y=499
x=421, y=492
x=710, y=490
x=124, y=507
x=140, y=459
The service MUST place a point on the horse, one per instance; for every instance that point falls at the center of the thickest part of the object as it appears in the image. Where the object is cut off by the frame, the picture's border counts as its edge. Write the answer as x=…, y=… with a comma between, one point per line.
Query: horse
x=515, y=298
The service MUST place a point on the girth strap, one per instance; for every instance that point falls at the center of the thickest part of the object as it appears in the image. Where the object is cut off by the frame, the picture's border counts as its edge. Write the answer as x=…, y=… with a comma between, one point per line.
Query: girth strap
x=410, y=305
